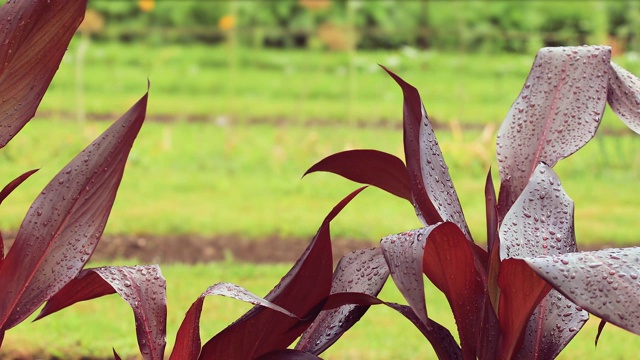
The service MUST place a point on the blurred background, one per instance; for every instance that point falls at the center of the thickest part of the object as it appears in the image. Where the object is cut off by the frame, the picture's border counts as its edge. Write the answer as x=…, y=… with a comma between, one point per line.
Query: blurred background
x=247, y=95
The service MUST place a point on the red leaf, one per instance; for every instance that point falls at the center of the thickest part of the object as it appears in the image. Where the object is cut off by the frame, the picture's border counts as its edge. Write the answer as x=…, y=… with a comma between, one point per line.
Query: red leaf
x=600, y=328
x=8, y=189
x=362, y=271
x=624, y=96
x=557, y=112
x=491, y=208
x=404, y=253
x=540, y=222
x=521, y=292
x=143, y=287
x=288, y=354
x=65, y=222
x=115, y=355
x=34, y=38
x=372, y=167
x=435, y=197
x=300, y=290
x=450, y=265
x=604, y=282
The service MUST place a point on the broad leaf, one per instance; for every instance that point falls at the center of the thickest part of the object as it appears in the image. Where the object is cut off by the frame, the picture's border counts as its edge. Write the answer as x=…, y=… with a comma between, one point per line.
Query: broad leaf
x=143, y=287
x=403, y=253
x=372, y=167
x=624, y=96
x=604, y=282
x=435, y=197
x=450, y=265
x=364, y=271
x=261, y=330
x=288, y=354
x=522, y=291
x=557, y=112
x=65, y=222
x=540, y=222
x=34, y=38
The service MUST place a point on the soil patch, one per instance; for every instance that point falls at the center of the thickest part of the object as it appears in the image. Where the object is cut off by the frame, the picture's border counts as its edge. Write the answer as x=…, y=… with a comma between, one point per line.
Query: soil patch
x=191, y=249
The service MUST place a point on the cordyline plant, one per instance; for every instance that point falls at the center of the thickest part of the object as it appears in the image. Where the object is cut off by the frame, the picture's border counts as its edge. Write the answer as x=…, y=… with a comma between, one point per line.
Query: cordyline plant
x=525, y=296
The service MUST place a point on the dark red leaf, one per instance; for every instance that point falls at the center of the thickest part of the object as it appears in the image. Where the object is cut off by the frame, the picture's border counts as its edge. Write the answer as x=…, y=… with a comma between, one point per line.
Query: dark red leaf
x=540, y=222
x=521, y=292
x=435, y=197
x=624, y=96
x=600, y=328
x=187, y=344
x=86, y=286
x=604, y=282
x=403, y=253
x=288, y=354
x=143, y=287
x=34, y=38
x=364, y=271
x=8, y=189
x=557, y=112
x=491, y=208
x=372, y=167
x=450, y=265
x=115, y=355
x=65, y=222
x=261, y=330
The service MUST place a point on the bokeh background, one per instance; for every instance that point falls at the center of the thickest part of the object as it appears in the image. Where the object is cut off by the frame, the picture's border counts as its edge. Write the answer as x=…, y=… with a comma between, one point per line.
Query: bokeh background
x=247, y=95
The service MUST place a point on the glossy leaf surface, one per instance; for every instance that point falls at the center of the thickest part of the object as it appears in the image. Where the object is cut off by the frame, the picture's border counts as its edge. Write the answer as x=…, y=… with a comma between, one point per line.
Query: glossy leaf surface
x=261, y=330
x=557, y=112
x=8, y=189
x=65, y=222
x=449, y=264
x=521, y=292
x=604, y=282
x=624, y=96
x=371, y=167
x=540, y=222
x=364, y=271
x=435, y=197
x=142, y=287
x=33, y=40
x=403, y=253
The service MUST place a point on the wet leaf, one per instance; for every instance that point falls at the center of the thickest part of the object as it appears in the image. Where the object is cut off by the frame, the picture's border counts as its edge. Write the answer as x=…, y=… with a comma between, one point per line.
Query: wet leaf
x=604, y=282
x=557, y=112
x=372, y=167
x=435, y=197
x=450, y=265
x=521, y=292
x=34, y=38
x=65, y=222
x=260, y=330
x=624, y=96
x=364, y=271
x=403, y=253
x=288, y=354
x=540, y=222
x=143, y=287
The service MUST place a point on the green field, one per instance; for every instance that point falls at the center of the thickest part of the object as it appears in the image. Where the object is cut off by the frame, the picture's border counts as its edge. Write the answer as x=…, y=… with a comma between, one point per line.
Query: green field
x=265, y=120
x=89, y=328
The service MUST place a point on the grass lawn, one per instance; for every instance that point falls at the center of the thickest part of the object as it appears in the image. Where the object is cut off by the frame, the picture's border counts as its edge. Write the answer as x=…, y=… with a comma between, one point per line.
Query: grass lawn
x=90, y=328
x=207, y=179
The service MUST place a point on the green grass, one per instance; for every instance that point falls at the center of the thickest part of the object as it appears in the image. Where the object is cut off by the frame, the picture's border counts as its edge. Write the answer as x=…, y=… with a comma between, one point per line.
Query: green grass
x=298, y=86
x=206, y=179
x=93, y=328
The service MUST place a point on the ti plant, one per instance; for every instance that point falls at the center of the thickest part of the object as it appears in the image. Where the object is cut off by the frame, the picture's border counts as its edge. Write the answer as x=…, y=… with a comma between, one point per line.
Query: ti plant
x=524, y=296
